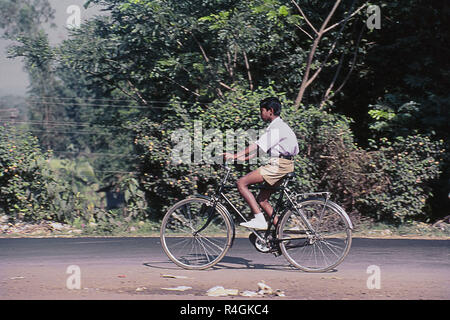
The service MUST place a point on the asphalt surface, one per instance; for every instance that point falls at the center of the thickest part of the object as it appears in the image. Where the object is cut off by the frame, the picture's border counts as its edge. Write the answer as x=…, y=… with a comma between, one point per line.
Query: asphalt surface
x=137, y=268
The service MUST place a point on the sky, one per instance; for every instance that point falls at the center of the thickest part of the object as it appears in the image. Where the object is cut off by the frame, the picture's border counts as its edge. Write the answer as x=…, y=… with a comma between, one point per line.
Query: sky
x=13, y=79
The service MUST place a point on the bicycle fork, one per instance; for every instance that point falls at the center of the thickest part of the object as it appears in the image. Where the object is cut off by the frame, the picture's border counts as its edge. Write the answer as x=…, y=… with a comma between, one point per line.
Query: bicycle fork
x=211, y=210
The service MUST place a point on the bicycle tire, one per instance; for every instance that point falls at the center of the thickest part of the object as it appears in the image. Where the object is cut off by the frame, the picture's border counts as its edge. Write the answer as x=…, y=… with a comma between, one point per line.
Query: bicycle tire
x=186, y=243
x=320, y=249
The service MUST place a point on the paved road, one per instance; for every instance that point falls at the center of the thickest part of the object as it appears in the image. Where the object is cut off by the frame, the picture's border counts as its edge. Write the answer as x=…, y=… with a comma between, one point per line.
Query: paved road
x=135, y=268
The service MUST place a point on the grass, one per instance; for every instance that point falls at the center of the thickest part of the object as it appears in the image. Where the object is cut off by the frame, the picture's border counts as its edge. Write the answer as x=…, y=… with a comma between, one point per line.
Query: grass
x=408, y=230
x=152, y=229
x=368, y=230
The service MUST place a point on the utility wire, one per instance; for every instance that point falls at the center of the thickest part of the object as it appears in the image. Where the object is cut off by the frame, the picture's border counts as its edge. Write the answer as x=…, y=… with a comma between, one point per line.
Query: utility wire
x=146, y=107
x=99, y=105
x=119, y=100
x=96, y=154
x=68, y=132
x=55, y=123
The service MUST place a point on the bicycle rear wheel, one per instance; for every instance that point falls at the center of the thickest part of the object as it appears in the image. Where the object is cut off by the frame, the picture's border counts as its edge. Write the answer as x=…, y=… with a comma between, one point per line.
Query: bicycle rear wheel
x=195, y=235
x=318, y=244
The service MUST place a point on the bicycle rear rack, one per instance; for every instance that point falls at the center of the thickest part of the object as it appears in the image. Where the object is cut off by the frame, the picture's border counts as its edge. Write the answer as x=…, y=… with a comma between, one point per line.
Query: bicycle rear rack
x=301, y=196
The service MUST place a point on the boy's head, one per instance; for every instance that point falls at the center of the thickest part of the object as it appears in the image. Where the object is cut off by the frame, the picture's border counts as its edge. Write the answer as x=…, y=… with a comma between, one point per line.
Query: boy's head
x=270, y=107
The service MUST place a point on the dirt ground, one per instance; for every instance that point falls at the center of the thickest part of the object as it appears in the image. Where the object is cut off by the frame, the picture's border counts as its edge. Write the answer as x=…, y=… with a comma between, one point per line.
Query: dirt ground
x=151, y=282
x=404, y=276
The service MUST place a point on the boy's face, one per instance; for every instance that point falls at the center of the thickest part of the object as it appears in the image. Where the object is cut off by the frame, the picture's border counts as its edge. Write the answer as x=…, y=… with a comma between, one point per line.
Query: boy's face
x=266, y=115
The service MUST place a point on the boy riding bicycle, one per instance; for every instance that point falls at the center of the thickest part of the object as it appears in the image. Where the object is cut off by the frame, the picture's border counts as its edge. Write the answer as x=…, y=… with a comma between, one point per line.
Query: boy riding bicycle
x=280, y=142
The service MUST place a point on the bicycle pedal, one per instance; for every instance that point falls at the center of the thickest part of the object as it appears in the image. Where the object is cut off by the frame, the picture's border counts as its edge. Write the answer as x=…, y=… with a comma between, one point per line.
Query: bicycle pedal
x=276, y=252
x=260, y=247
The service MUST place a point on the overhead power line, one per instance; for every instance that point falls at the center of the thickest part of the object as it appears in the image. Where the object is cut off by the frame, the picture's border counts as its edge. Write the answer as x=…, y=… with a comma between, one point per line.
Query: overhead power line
x=58, y=124
x=98, y=105
x=96, y=154
x=118, y=100
x=69, y=132
x=93, y=104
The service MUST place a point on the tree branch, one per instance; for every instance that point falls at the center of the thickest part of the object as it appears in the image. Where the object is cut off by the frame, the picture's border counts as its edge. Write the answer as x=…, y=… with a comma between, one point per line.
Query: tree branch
x=178, y=84
x=345, y=19
x=306, y=81
x=249, y=74
x=355, y=55
x=330, y=87
x=330, y=51
x=226, y=86
x=205, y=56
x=200, y=46
x=325, y=23
x=304, y=16
x=114, y=84
x=133, y=87
x=304, y=31
x=327, y=95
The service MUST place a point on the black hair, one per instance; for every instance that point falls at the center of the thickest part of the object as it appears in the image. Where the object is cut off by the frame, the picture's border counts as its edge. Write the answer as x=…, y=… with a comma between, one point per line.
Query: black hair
x=271, y=103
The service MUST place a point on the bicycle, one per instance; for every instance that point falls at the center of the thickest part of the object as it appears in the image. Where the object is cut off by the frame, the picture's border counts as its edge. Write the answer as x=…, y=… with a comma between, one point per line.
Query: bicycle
x=313, y=233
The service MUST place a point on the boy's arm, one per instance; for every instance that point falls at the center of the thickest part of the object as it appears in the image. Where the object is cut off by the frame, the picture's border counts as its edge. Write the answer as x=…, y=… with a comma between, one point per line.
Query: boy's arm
x=244, y=154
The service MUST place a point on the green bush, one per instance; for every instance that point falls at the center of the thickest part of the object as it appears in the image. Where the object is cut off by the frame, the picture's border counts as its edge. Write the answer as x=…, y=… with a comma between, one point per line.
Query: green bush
x=389, y=181
x=325, y=140
x=165, y=182
x=400, y=172
x=23, y=177
x=80, y=202
x=33, y=185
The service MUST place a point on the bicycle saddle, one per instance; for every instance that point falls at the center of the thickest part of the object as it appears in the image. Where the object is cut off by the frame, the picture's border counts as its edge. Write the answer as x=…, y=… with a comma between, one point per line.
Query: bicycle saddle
x=290, y=175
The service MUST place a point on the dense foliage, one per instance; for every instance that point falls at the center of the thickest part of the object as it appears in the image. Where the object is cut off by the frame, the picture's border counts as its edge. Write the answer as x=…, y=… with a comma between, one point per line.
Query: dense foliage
x=390, y=182
x=126, y=87
x=27, y=189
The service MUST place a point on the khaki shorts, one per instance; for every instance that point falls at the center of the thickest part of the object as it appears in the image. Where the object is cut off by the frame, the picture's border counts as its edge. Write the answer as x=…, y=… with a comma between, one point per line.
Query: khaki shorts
x=276, y=170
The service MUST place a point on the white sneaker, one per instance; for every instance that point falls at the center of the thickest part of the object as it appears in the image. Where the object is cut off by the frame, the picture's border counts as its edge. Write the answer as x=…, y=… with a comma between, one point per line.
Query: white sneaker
x=255, y=224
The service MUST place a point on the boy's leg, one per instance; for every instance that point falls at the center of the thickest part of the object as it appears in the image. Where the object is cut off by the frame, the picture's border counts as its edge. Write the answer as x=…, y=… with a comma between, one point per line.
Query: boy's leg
x=263, y=200
x=258, y=222
x=242, y=185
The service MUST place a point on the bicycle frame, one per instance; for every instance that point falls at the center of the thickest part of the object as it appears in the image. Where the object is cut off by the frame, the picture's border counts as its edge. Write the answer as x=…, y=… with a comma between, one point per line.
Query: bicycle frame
x=219, y=194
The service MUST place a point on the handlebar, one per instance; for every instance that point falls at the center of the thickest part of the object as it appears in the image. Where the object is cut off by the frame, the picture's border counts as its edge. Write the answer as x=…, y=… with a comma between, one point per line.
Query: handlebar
x=219, y=161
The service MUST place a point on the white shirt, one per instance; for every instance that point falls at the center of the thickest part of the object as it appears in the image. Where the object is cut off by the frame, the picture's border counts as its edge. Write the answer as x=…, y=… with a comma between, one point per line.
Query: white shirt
x=279, y=139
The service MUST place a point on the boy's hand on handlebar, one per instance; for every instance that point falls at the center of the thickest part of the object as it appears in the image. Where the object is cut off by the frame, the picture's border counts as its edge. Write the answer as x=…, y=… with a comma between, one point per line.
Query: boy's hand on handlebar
x=228, y=156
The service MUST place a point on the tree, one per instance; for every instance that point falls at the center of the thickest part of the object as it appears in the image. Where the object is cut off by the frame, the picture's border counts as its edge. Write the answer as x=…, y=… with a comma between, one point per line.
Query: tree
x=18, y=18
x=190, y=49
x=151, y=65
x=407, y=81
x=319, y=33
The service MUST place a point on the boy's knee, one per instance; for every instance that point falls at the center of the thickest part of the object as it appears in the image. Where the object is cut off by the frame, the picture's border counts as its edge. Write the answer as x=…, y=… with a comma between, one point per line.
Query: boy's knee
x=261, y=201
x=242, y=185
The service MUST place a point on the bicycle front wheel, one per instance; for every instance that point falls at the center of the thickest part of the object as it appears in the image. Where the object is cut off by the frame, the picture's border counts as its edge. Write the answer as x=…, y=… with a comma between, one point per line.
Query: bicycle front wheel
x=315, y=236
x=196, y=235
